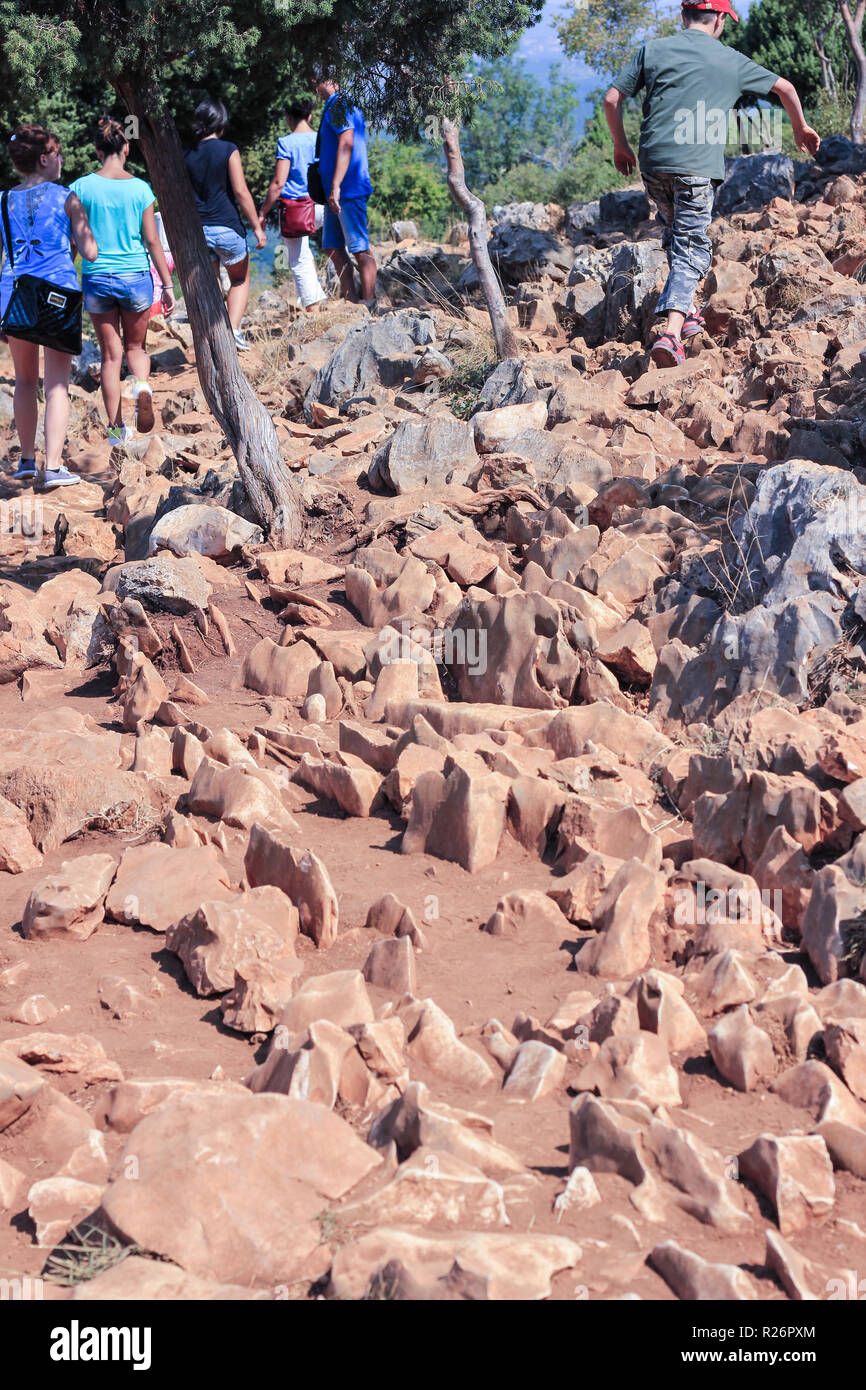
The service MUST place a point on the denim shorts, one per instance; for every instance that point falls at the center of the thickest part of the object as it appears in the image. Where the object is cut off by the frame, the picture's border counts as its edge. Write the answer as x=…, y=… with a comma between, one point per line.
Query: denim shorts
x=132, y=293
x=225, y=244
x=348, y=232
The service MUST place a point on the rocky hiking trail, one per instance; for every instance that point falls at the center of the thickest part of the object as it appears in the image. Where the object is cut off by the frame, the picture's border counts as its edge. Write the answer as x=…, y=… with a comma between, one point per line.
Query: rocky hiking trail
x=471, y=904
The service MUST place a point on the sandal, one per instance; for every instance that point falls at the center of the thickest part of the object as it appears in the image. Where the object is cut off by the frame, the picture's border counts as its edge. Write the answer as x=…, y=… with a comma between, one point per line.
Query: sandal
x=668, y=351
x=695, y=323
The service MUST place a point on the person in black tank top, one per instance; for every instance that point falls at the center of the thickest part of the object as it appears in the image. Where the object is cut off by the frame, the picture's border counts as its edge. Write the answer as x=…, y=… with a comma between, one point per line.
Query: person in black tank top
x=220, y=190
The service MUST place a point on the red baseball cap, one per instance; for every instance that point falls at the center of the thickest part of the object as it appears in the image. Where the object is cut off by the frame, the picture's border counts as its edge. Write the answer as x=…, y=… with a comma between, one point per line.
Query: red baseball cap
x=720, y=7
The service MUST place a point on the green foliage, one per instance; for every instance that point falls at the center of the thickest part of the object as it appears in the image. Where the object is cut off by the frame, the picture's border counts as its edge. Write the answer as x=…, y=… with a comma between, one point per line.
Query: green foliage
x=525, y=183
x=407, y=183
x=591, y=172
x=604, y=33
x=780, y=35
x=518, y=120
x=398, y=61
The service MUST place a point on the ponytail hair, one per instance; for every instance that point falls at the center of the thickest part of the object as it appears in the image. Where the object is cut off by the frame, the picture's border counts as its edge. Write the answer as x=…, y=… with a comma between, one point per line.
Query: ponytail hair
x=110, y=136
x=210, y=118
x=28, y=143
x=301, y=110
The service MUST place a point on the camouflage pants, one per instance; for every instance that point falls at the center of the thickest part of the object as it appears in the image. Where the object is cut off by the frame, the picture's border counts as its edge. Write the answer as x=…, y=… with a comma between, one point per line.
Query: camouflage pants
x=685, y=209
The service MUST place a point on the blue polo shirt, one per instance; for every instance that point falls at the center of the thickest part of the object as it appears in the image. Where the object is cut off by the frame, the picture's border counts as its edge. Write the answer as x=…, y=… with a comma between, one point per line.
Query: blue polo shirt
x=340, y=115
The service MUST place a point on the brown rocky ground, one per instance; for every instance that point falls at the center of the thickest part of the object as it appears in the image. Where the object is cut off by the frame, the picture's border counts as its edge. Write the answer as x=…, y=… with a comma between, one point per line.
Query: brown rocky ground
x=471, y=904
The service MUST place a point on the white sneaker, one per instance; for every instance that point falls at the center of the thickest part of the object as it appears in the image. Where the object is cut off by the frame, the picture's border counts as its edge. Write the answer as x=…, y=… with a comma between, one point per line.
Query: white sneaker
x=242, y=344
x=59, y=477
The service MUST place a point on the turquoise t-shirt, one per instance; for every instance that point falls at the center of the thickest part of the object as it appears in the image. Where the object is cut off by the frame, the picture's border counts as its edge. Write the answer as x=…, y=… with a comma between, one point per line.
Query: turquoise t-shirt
x=114, y=208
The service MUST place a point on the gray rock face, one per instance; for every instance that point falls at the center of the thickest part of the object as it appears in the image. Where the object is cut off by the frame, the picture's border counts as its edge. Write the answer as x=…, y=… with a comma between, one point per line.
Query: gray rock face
x=524, y=245
x=582, y=217
x=166, y=583
x=752, y=180
x=404, y=231
x=510, y=383
x=373, y=353
x=523, y=215
x=636, y=270
x=410, y=277
x=803, y=519
x=806, y=519
x=592, y=263
x=624, y=209
x=427, y=453
x=583, y=307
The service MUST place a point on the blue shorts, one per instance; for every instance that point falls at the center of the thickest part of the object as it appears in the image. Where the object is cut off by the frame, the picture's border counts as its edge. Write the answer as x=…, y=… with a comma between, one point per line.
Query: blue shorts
x=225, y=244
x=348, y=232
x=131, y=293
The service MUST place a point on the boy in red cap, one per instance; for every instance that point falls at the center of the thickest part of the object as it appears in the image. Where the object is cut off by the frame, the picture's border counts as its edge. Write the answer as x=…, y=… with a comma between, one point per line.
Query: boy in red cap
x=692, y=82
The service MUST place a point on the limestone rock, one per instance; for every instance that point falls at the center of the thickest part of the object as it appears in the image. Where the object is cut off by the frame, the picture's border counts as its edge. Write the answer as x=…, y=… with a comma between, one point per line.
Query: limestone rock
x=155, y=885
x=217, y=1219
x=795, y=1173
x=214, y=940
x=743, y=1053
x=696, y=1280
x=301, y=875
x=202, y=530
x=632, y=1066
x=432, y=1039
x=69, y=903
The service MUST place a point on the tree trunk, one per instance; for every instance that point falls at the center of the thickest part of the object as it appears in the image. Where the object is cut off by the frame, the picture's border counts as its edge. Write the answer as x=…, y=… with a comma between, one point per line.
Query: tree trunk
x=828, y=77
x=853, y=30
x=506, y=343
x=248, y=427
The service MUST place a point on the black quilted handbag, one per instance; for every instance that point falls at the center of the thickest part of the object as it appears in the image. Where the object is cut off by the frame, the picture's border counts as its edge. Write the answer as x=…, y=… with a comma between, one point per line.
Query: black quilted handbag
x=39, y=311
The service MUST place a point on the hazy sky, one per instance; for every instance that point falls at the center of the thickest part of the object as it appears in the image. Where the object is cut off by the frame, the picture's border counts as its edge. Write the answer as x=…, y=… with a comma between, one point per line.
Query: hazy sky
x=540, y=47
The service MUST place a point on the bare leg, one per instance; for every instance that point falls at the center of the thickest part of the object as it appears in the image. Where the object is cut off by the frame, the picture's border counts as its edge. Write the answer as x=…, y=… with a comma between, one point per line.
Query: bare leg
x=107, y=328
x=134, y=334
x=675, y=323
x=56, y=406
x=345, y=273
x=367, y=270
x=239, y=293
x=25, y=357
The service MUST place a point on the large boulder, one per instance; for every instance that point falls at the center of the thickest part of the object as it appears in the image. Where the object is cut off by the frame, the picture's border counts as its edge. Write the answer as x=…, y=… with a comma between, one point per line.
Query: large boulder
x=167, y=583
x=434, y=452
x=510, y=383
x=639, y=269
x=524, y=245
x=203, y=530
x=791, y=560
x=752, y=181
x=247, y=1214
x=375, y=352
x=623, y=209
x=512, y=650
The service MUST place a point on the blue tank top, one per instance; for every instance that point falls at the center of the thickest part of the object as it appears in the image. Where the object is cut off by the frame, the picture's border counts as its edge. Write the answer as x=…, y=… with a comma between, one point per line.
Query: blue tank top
x=40, y=236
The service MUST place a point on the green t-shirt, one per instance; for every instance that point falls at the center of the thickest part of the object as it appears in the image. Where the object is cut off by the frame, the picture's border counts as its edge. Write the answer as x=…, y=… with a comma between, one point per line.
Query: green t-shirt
x=692, y=82
x=114, y=208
